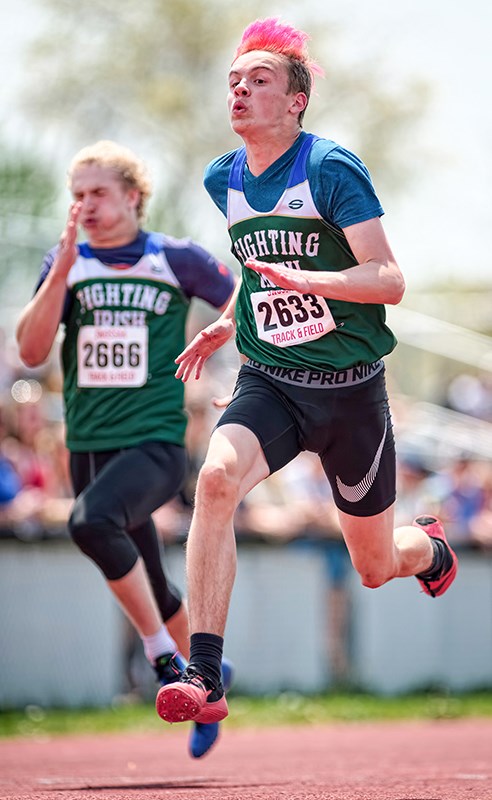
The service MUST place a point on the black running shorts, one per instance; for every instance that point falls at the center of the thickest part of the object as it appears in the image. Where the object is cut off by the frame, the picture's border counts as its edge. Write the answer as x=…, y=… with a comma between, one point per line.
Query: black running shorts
x=346, y=422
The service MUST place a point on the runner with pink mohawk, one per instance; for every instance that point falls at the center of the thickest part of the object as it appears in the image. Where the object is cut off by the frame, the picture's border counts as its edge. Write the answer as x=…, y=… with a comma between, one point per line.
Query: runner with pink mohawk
x=309, y=320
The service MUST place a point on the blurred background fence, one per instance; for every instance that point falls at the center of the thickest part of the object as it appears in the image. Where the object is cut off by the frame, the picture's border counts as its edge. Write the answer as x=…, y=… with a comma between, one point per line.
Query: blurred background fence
x=293, y=626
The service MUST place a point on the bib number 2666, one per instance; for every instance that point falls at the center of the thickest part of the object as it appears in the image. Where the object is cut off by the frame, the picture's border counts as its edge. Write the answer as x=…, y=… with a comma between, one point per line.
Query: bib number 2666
x=111, y=356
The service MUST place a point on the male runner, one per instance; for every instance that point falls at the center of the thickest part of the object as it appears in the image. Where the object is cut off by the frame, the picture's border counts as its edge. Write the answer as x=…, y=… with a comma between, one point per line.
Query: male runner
x=123, y=297
x=304, y=221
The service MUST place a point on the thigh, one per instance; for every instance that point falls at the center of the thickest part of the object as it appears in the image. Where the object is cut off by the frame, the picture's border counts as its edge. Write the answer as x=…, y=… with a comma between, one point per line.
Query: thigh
x=132, y=483
x=236, y=450
x=260, y=407
x=83, y=470
x=360, y=460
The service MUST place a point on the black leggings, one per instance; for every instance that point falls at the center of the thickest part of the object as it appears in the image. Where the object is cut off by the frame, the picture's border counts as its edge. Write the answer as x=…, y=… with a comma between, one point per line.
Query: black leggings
x=116, y=492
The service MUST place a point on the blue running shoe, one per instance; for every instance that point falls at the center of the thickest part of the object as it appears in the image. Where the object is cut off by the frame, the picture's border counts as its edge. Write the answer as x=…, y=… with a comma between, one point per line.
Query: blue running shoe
x=169, y=667
x=204, y=735
x=227, y=674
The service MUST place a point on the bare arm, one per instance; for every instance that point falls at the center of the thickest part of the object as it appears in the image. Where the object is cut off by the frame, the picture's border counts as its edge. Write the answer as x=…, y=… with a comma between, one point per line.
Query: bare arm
x=39, y=321
x=376, y=278
x=208, y=341
x=229, y=308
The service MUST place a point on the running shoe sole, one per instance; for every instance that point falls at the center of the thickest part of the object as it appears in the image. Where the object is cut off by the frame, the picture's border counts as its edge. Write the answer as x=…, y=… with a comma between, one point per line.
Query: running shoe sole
x=180, y=702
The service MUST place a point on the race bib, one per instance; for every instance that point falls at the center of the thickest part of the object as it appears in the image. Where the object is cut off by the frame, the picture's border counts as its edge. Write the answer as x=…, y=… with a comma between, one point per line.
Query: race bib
x=112, y=356
x=285, y=317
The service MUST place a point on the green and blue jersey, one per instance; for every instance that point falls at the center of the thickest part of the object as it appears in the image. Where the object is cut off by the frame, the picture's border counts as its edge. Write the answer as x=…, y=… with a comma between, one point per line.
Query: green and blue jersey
x=293, y=214
x=124, y=318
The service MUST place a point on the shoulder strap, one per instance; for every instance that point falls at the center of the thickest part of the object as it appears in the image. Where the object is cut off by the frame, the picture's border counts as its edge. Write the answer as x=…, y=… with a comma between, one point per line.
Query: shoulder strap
x=237, y=168
x=85, y=250
x=297, y=173
x=154, y=242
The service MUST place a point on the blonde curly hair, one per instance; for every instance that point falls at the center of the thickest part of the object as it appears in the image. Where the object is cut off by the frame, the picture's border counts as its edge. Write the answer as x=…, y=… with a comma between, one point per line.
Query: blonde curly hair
x=130, y=170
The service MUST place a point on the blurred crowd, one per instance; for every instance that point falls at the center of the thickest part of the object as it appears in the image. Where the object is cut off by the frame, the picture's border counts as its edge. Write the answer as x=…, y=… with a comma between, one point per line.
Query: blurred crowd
x=35, y=489
x=293, y=504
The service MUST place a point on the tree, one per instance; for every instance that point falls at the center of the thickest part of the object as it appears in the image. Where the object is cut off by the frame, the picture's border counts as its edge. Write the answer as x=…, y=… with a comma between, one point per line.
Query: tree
x=153, y=75
x=145, y=74
x=28, y=191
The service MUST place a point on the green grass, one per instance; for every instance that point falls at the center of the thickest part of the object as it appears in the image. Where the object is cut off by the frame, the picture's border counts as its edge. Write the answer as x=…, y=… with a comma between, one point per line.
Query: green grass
x=284, y=709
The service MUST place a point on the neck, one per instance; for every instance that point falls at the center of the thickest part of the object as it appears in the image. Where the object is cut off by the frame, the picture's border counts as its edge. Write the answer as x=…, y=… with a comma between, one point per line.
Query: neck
x=117, y=239
x=262, y=152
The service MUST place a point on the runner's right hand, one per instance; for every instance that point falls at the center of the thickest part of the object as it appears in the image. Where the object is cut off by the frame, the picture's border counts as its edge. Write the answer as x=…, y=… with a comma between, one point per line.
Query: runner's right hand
x=205, y=344
x=67, y=250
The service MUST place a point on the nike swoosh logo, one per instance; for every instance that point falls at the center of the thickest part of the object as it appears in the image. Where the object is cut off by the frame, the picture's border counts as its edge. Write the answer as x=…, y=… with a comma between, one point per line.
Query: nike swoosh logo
x=355, y=493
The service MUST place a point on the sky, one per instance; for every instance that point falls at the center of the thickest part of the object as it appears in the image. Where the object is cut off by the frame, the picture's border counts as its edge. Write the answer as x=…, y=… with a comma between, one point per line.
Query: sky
x=440, y=227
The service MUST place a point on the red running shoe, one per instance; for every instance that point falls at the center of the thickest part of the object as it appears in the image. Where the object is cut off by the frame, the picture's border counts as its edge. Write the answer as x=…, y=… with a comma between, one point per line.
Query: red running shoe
x=189, y=699
x=434, y=529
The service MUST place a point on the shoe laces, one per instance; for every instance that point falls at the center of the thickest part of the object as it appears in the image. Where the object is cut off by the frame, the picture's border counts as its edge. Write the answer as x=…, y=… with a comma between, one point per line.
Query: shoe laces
x=191, y=675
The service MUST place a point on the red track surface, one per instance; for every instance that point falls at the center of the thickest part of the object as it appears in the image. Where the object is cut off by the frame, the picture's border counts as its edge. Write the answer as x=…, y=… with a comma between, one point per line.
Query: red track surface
x=448, y=760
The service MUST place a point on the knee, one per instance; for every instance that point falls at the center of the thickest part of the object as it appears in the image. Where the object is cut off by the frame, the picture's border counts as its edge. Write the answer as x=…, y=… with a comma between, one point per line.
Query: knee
x=78, y=529
x=85, y=528
x=373, y=576
x=217, y=484
x=372, y=580
x=101, y=541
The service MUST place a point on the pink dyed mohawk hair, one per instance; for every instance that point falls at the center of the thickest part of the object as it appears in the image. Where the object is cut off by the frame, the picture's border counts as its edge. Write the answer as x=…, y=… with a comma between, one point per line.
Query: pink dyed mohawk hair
x=276, y=37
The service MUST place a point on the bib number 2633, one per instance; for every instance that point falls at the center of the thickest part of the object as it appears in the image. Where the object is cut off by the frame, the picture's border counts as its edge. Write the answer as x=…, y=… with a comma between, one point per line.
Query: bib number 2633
x=285, y=317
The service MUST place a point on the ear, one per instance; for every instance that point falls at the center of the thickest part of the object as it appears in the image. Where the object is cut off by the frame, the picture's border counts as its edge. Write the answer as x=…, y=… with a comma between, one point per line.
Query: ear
x=299, y=103
x=133, y=196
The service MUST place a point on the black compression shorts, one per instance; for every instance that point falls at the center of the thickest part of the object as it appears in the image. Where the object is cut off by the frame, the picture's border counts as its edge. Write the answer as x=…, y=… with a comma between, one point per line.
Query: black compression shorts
x=117, y=491
x=346, y=420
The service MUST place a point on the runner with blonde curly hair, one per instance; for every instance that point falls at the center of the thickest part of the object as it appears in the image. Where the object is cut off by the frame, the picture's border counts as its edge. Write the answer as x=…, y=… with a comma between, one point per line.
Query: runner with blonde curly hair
x=123, y=297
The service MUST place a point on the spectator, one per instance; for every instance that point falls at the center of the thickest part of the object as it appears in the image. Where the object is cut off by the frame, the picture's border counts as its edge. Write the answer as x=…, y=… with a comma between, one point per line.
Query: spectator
x=458, y=496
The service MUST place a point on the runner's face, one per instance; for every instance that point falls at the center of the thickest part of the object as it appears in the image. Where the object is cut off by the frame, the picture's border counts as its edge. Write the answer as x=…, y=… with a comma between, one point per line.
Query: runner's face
x=108, y=214
x=258, y=97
